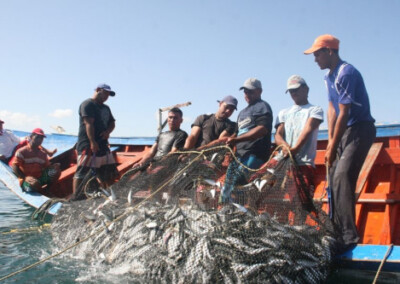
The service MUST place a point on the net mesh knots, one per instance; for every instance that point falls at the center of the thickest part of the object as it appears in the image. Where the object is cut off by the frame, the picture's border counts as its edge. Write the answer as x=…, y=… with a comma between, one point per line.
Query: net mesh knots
x=174, y=230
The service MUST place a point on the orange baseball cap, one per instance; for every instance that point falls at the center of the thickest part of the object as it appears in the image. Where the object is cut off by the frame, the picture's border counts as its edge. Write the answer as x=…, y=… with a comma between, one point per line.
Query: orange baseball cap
x=323, y=41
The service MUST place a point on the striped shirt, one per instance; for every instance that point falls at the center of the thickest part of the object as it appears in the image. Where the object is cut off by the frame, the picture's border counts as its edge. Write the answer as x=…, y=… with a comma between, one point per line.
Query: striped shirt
x=31, y=161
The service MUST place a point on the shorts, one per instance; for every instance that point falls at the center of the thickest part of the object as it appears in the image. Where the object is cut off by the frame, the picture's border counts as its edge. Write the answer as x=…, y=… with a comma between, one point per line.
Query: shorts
x=104, y=167
x=46, y=178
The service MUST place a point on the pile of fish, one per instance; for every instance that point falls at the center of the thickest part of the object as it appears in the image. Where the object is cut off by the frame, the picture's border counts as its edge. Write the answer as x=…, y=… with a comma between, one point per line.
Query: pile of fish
x=183, y=244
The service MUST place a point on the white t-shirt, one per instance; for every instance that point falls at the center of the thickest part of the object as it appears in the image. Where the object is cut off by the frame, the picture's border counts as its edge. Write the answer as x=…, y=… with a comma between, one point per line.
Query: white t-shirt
x=8, y=141
x=295, y=119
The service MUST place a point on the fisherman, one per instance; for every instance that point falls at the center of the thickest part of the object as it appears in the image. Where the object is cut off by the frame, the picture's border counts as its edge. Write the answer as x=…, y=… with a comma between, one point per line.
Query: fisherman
x=253, y=140
x=8, y=141
x=210, y=127
x=351, y=132
x=297, y=131
x=96, y=122
x=32, y=166
x=169, y=141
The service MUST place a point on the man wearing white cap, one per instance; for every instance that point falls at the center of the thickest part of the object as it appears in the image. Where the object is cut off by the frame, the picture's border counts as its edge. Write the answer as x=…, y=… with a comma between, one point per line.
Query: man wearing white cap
x=297, y=129
x=210, y=127
x=253, y=140
x=96, y=122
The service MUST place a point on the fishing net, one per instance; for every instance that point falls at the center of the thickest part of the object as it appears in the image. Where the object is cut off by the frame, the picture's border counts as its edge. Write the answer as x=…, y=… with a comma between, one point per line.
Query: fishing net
x=164, y=223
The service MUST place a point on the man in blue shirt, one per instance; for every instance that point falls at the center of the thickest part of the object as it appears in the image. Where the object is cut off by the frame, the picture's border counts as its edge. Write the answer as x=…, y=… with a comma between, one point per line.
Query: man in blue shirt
x=351, y=132
x=253, y=140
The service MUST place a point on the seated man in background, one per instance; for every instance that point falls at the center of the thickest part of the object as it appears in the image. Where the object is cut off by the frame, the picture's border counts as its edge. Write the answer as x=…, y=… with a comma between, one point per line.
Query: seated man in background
x=32, y=166
x=8, y=141
x=168, y=141
x=297, y=130
x=208, y=128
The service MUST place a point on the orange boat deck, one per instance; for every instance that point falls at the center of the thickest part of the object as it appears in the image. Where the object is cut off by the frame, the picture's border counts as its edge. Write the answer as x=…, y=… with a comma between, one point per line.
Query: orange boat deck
x=378, y=191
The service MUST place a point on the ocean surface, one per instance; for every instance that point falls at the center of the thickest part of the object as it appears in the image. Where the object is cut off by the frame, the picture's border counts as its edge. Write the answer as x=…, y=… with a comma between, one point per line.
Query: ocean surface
x=23, y=242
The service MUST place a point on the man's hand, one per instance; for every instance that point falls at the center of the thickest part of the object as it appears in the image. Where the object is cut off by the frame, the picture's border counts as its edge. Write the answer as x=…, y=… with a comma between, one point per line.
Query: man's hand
x=33, y=182
x=294, y=151
x=330, y=155
x=105, y=135
x=94, y=147
x=51, y=153
x=231, y=141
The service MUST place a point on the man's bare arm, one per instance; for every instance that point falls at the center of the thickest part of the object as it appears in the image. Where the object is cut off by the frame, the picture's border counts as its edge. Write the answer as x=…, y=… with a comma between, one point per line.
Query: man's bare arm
x=191, y=140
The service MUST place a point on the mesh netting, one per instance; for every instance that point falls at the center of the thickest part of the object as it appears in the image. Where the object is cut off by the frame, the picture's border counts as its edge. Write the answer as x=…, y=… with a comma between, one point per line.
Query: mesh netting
x=164, y=223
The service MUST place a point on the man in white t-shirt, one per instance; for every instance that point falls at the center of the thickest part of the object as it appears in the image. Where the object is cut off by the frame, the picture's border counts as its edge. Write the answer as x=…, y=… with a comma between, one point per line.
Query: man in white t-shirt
x=8, y=141
x=297, y=129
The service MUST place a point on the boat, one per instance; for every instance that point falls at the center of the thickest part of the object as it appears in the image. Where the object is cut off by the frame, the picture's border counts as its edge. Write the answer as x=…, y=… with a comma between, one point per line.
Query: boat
x=127, y=151
x=378, y=202
x=377, y=193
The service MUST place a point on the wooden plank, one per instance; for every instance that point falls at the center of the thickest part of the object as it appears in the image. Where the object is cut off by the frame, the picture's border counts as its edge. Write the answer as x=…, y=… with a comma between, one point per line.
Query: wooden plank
x=367, y=166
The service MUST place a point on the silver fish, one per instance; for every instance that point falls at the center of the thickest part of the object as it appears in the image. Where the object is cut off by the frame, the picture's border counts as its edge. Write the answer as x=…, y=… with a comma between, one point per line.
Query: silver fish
x=113, y=197
x=130, y=197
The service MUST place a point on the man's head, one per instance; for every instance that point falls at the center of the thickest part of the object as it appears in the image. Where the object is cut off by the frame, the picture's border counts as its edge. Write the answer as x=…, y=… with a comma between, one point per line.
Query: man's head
x=226, y=107
x=175, y=119
x=37, y=137
x=298, y=89
x=252, y=90
x=326, y=51
x=102, y=92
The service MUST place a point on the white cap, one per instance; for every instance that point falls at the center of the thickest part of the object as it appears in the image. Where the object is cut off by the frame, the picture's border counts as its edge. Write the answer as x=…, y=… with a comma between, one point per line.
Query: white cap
x=251, y=84
x=294, y=82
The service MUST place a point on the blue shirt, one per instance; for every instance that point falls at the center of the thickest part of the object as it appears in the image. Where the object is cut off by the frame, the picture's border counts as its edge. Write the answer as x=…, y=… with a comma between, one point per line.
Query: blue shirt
x=346, y=86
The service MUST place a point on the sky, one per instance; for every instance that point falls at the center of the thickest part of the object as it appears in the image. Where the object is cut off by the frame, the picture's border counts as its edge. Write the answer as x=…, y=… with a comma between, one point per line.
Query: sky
x=156, y=54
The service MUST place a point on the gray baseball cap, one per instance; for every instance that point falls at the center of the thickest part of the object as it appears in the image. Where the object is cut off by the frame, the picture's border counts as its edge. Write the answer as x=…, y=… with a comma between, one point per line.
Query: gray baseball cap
x=294, y=82
x=230, y=100
x=251, y=84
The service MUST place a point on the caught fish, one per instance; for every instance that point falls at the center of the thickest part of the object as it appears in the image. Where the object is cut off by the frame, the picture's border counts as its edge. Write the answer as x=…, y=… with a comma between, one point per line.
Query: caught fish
x=105, y=226
x=152, y=225
x=106, y=193
x=113, y=196
x=106, y=216
x=210, y=181
x=89, y=217
x=130, y=197
x=240, y=207
x=213, y=157
x=260, y=184
x=213, y=193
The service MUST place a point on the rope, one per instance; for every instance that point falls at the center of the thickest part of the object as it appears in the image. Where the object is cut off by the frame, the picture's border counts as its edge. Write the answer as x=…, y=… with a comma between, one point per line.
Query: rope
x=235, y=157
x=27, y=230
x=389, y=250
